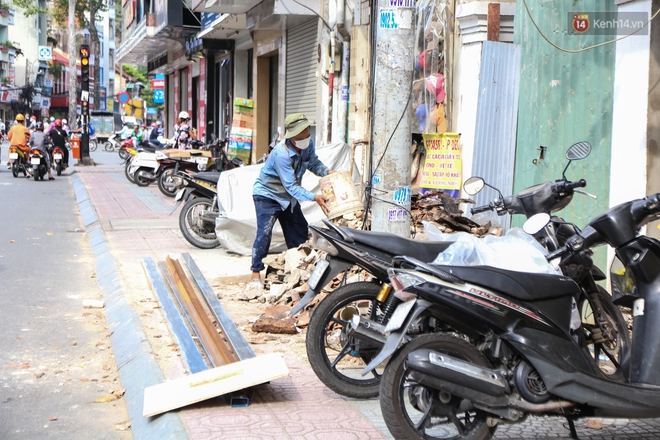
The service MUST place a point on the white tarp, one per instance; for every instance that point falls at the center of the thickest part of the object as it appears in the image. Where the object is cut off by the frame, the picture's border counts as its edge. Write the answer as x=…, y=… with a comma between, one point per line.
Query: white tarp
x=237, y=225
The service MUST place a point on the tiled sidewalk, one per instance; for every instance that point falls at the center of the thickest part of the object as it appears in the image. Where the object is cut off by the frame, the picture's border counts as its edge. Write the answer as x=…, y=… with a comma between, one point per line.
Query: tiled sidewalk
x=295, y=407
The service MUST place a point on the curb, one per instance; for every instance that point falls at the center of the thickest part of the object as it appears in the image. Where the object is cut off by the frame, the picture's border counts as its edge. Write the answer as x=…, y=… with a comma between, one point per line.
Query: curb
x=137, y=366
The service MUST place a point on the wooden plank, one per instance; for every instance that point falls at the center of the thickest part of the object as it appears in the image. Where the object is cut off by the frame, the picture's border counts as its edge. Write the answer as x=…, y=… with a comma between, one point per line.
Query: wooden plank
x=236, y=339
x=219, y=350
x=188, y=347
x=212, y=383
x=493, y=30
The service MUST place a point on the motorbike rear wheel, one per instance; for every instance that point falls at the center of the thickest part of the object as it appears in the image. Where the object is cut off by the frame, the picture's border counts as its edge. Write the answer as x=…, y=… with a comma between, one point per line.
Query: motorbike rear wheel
x=108, y=146
x=123, y=153
x=36, y=174
x=140, y=177
x=413, y=411
x=14, y=168
x=192, y=227
x=93, y=145
x=336, y=358
x=58, y=168
x=166, y=177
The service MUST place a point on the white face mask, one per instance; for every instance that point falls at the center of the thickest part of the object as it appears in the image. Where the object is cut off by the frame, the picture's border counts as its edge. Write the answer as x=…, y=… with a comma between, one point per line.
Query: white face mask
x=303, y=143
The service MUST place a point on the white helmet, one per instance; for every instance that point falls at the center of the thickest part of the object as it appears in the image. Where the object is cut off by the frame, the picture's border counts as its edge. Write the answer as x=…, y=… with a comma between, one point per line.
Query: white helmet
x=52, y=119
x=184, y=115
x=63, y=121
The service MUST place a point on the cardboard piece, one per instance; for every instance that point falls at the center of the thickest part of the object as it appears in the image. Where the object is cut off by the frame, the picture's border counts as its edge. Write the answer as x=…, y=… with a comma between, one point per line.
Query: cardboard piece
x=240, y=135
x=212, y=383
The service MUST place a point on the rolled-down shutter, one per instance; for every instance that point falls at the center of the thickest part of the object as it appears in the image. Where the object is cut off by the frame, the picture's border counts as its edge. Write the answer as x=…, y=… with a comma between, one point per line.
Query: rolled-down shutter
x=301, y=57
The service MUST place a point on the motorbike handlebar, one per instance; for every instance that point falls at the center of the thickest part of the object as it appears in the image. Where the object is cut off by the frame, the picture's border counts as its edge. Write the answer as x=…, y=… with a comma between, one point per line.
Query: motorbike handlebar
x=579, y=184
x=558, y=253
x=483, y=208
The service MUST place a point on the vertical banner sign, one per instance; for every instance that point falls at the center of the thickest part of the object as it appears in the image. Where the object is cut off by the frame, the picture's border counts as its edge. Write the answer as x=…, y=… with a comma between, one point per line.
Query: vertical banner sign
x=202, y=98
x=84, y=100
x=177, y=85
x=442, y=169
x=189, y=73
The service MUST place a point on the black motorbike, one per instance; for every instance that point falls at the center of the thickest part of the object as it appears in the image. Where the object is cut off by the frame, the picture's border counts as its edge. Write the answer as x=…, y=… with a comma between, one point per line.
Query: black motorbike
x=199, y=191
x=519, y=347
x=336, y=348
x=197, y=217
x=38, y=163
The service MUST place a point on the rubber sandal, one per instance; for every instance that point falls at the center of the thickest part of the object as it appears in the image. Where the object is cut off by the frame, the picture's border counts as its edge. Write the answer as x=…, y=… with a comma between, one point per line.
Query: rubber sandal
x=51, y=178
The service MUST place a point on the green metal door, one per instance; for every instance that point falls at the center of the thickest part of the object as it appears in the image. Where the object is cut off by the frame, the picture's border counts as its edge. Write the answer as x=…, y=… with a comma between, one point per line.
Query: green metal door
x=564, y=98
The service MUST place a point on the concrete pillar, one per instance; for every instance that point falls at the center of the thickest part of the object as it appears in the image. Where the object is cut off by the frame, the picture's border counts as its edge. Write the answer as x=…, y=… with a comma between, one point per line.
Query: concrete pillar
x=392, y=118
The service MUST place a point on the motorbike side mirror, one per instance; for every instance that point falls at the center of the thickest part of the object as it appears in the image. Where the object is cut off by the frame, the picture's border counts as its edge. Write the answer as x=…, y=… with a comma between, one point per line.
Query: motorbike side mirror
x=536, y=222
x=473, y=185
x=578, y=151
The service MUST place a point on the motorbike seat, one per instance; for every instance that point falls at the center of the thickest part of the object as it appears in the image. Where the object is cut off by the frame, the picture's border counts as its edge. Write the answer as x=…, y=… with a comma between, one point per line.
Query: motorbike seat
x=147, y=148
x=520, y=285
x=425, y=251
x=208, y=176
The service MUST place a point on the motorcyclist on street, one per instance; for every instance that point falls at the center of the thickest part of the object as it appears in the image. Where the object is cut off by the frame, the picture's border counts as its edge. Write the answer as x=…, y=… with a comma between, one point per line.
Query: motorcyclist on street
x=126, y=131
x=39, y=141
x=153, y=134
x=58, y=138
x=18, y=136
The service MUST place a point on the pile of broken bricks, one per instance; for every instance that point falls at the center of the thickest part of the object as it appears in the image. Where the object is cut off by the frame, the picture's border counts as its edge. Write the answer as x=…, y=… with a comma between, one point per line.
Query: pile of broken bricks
x=287, y=273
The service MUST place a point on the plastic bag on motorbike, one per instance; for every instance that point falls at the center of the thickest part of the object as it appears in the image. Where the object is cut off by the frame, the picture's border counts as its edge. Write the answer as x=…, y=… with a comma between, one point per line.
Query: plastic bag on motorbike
x=516, y=251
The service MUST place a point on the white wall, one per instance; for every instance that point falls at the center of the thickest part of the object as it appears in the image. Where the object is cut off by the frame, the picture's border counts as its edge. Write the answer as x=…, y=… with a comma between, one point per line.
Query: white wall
x=629, y=119
x=23, y=33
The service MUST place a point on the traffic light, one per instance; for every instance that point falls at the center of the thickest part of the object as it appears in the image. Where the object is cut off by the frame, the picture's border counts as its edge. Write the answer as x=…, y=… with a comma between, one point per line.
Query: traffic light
x=84, y=64
x=84, y=79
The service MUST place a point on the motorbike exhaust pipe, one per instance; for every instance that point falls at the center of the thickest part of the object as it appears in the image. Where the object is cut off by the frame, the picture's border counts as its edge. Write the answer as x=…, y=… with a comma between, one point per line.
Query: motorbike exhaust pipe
x=366, y=330
x=478, y=384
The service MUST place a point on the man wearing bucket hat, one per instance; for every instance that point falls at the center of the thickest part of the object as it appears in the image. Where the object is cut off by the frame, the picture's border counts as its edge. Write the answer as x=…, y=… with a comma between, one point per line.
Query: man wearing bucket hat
x=277, y=191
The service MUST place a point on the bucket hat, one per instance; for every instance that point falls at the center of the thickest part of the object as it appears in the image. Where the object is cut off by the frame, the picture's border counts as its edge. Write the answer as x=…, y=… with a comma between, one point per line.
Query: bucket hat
x=294, y=124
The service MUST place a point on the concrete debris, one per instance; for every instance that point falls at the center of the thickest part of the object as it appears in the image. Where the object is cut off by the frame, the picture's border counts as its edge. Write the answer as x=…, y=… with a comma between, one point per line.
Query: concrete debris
x=442, y=210
x=272, y=325
x=93, y=304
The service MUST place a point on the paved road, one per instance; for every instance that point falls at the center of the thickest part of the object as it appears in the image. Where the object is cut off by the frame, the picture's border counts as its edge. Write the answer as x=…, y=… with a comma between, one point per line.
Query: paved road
x=55, y=356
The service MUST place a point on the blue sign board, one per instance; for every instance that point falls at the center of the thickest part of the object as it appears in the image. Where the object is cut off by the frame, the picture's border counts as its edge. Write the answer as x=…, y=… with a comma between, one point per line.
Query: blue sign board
x=208, y=18
x=159, y=96
x=151, y=110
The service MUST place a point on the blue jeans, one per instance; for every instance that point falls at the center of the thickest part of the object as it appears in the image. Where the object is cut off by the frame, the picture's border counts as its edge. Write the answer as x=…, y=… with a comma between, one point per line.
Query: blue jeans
x=293, y=223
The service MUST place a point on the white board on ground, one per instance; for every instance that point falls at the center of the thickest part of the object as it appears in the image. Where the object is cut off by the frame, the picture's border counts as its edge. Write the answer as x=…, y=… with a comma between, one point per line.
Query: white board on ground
x=212, y=383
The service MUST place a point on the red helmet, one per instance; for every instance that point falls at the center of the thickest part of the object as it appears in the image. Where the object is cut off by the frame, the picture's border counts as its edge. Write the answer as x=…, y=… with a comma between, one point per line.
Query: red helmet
x=58, y=122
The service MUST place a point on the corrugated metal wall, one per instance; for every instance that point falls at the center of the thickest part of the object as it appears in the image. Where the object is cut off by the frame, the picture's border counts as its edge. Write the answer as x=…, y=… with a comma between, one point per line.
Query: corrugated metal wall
x=564, y=98
x=301, y=70
x=497, y=113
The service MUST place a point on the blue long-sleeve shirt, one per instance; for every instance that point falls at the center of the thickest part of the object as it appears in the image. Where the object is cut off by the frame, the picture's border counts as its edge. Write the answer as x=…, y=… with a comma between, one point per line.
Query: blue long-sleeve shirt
x=281, y=176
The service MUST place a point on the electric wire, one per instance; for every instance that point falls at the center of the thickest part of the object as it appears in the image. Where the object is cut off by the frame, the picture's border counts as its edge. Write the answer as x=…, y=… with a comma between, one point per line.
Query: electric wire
x=588, y=47
x=314, y=12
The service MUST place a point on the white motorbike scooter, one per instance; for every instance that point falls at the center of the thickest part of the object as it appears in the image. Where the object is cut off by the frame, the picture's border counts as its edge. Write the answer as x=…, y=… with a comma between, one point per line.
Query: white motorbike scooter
x=144, y=166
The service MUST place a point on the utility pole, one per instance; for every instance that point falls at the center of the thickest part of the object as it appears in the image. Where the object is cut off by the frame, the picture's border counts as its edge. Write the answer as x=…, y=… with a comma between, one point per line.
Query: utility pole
x=392, y=116
x=73, y=83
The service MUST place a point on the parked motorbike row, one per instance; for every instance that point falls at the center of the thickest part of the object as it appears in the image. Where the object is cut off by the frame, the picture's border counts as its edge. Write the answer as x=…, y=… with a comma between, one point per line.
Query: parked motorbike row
x=191, y=176
x=34, y=162
x=456, y=350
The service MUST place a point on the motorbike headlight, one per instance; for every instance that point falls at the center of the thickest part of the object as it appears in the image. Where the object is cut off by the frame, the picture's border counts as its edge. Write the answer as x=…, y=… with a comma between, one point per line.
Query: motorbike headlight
x=322, y=244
